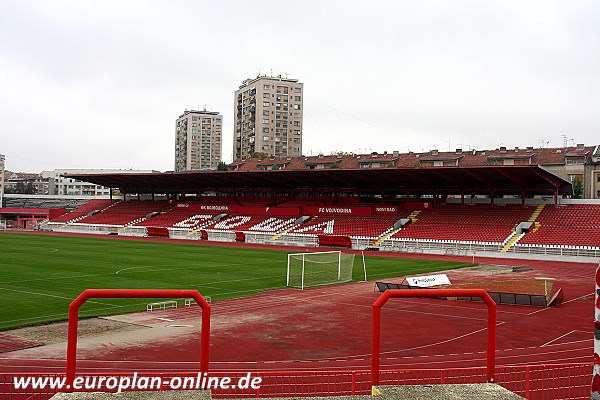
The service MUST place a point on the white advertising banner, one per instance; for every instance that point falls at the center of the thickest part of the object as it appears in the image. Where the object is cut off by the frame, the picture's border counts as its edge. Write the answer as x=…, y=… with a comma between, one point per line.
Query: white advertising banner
x=429, y=280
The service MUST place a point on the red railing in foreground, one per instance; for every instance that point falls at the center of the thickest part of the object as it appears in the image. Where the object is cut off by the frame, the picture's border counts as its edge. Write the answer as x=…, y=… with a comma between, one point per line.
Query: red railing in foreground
x=390, y=294
x=551, y=381
x=134, y=293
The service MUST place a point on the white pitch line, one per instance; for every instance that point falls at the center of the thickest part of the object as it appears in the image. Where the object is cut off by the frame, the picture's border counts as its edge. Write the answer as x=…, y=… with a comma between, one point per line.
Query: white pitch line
x=51, y=295
x=143, y=266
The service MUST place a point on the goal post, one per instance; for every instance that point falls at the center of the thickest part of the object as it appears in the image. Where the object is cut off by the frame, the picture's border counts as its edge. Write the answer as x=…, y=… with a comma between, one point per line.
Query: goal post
x=318, y=269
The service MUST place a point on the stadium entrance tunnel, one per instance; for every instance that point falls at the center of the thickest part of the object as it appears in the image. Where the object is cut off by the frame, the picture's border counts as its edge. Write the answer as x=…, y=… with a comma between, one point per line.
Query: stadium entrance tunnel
x=134, y=293
x=388, y=294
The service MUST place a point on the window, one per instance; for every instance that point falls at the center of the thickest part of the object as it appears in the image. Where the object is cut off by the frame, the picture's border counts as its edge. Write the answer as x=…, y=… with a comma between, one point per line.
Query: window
x=297, y=98
x=266, y=130
x=266, y=87
x=296, y=106
x=297, y=90
x=265, y=121
x=296, y=123
x=265, y=138
x=266, y=112
x=265, y=95
x=577, y=176
x=266, y=104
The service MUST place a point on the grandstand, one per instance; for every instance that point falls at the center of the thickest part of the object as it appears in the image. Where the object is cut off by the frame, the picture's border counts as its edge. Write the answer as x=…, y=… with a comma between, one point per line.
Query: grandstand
x=436, y=210
x=476, y=223
x=572, y=226
x=88, y=208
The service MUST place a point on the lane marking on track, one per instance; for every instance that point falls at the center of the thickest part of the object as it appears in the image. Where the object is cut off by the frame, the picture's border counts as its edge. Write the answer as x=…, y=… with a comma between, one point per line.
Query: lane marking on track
x=564, y=302
x=558, y=338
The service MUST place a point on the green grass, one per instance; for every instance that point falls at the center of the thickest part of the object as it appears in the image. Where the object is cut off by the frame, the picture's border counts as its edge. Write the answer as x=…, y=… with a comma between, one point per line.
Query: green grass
x=41, y=274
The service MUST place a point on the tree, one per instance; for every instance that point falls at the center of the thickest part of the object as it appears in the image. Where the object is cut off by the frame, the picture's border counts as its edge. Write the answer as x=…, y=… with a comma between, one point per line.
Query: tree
x=335, y=165
x=222, y=166
x=29, y=189
x=577, y=188
x=22, y=187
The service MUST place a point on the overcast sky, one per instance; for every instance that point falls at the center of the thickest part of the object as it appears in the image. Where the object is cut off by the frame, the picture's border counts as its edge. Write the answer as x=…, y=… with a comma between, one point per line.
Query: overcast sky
x=100, y=84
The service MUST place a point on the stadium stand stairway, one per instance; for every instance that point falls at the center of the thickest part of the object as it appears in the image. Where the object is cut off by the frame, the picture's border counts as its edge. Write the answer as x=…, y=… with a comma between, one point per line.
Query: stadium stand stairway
x=298, y=222
x=515, y=237
x=384, y=236
x=201, y=226
x=413, y=216
x=398, y=225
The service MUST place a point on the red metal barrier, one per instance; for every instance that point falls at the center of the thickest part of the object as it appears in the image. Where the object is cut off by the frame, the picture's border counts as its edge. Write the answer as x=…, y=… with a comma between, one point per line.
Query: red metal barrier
x=534, y=382
x=335, y=240
x=132, y=293
x=157, y=231
x=385, y=296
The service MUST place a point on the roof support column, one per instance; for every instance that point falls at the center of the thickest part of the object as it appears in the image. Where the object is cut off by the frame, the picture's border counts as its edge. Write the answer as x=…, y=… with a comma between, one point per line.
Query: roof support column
x=493, y=194
x=523, y=199
x=462, y=198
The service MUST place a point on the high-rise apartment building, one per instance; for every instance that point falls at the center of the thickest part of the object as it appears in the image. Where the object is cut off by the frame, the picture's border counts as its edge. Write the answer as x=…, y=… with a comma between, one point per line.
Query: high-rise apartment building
x=198, y=140
x=268, y=117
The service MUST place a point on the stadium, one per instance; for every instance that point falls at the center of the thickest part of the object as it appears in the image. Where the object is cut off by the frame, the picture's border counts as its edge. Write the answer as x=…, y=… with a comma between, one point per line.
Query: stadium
x=297, y=275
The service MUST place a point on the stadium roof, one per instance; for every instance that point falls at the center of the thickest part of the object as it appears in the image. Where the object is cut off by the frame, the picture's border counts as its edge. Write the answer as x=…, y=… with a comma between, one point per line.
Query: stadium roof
x=480, y=179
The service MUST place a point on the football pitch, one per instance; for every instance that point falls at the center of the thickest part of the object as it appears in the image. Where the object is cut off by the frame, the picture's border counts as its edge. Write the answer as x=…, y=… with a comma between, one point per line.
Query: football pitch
x=42, y=274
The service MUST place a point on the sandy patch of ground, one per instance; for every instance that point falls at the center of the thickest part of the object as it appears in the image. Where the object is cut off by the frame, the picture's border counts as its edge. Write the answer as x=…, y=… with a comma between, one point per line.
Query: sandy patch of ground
x=57, y=332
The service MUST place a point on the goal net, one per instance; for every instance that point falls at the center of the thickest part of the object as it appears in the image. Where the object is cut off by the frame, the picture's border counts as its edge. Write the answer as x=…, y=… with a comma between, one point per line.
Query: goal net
x=318, y=269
